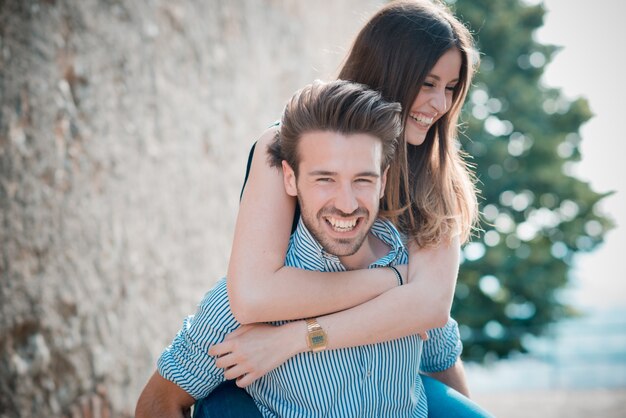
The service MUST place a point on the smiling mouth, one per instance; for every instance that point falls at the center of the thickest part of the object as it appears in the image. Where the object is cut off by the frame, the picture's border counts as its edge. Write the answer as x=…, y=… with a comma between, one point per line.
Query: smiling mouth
x=342, y=225
x=421, y=119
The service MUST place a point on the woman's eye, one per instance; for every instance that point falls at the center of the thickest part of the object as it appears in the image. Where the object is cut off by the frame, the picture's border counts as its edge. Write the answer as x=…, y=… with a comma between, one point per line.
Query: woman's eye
x=451, y=88
x=428, y=84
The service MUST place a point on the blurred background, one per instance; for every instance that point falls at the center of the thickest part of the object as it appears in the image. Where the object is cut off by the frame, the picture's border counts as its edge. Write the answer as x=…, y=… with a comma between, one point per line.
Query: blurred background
x=124, y=130
x=578, y=366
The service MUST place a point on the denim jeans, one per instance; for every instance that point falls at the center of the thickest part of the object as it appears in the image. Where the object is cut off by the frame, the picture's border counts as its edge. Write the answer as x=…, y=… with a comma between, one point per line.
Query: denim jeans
x=445, y=402
x=229, y=401
x=226, y=401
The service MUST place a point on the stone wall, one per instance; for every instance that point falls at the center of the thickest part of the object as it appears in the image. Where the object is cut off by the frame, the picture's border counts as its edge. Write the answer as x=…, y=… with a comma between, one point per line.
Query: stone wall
x=124, y=129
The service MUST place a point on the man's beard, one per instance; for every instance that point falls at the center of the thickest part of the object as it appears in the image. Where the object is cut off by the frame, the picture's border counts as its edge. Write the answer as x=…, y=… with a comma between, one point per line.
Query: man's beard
x=339, y=247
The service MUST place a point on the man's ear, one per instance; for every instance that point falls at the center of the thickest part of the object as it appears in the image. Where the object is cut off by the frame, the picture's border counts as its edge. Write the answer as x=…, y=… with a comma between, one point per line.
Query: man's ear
x=383, y=182
x=289, y=179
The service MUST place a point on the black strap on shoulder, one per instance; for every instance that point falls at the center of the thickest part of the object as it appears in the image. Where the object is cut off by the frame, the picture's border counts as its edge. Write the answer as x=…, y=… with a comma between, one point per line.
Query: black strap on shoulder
x=296, y=215
x=248, y=165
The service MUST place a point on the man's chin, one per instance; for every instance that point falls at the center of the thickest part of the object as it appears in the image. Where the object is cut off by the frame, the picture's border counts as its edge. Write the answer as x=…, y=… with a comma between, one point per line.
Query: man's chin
x=343, y=248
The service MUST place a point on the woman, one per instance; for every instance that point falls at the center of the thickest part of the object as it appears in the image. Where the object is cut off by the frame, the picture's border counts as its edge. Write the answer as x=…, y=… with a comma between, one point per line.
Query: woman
x=418, y=54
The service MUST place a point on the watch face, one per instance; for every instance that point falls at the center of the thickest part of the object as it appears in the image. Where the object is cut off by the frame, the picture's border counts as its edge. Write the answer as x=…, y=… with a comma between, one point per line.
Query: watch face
x=317, y=340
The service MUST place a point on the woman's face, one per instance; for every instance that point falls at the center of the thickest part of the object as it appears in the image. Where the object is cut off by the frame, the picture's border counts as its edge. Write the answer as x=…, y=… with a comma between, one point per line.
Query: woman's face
x=434, y=98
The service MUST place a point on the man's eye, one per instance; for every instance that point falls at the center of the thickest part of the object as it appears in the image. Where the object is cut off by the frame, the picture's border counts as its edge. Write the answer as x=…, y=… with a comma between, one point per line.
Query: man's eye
x=324, y=180
x=363, y=180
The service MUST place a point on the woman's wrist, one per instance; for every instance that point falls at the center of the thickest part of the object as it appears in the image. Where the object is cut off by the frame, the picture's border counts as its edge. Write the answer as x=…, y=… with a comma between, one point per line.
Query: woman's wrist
x=397, y=274
x=295, y=337
x=403, y=271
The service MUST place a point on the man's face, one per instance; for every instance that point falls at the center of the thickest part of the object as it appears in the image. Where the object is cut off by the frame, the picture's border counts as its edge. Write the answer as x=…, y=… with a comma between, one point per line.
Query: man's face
x=339, y=186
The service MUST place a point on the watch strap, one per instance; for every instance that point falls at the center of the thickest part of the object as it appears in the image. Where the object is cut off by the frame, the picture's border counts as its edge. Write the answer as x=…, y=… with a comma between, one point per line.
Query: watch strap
x=312, y=325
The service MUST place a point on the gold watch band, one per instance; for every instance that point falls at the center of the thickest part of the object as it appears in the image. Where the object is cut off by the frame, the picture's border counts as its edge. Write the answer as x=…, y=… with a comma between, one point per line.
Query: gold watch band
x=313, y=325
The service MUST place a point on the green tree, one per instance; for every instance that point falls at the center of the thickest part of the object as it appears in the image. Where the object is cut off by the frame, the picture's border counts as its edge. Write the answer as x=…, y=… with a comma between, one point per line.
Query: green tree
x=523, y=138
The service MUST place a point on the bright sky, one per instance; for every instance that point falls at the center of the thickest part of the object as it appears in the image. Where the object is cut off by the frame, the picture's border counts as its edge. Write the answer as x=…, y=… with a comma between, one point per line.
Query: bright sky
x=592, y=65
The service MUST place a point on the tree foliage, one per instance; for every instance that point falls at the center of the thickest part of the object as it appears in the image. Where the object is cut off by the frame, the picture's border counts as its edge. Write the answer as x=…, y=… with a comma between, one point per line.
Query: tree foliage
x=523, y=138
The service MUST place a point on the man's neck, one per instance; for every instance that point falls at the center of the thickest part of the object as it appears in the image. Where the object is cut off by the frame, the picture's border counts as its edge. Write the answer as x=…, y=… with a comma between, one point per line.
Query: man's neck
x=372, y=249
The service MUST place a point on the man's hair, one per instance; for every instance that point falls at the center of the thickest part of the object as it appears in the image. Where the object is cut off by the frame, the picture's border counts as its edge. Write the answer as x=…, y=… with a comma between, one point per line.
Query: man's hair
x=338, y=106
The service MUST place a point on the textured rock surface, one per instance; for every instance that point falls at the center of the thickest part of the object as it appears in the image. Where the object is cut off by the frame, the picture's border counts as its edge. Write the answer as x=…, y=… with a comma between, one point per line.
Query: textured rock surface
x=124, y=128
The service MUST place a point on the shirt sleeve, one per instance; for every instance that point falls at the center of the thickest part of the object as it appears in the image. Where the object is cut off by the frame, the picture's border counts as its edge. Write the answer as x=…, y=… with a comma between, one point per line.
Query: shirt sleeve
x=186, y=362
x=442, y=349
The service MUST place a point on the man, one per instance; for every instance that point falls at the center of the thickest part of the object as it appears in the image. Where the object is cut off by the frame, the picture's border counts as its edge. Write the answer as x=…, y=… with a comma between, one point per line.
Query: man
x=337, y=140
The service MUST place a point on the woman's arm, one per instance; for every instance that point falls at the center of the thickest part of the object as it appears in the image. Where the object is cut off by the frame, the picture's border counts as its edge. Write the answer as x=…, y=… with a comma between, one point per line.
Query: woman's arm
x=422, y=304
x=260, y=288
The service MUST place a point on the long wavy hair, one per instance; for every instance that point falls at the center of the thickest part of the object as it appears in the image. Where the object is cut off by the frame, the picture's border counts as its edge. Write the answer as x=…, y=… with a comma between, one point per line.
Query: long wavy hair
x=430, y=193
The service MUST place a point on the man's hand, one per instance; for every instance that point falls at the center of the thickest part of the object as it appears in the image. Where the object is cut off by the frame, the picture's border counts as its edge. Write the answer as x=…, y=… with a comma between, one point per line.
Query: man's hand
x=251, y=351
x=454, y=377
x=162, y=398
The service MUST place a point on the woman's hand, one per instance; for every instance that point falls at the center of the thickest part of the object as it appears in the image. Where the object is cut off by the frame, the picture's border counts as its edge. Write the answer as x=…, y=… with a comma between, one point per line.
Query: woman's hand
x=253, y=350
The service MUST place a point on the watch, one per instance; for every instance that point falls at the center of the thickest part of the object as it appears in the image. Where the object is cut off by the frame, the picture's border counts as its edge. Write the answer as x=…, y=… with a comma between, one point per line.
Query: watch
x=316, y=337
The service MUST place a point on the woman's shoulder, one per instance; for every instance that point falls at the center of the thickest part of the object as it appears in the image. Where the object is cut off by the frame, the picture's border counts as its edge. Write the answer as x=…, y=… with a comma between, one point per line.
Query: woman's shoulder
x=262, y=143
x=267, y=137
x=259, y=150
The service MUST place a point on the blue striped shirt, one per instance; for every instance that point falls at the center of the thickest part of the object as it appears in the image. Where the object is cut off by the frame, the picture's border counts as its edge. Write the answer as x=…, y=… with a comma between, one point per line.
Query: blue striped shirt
x=376, y=380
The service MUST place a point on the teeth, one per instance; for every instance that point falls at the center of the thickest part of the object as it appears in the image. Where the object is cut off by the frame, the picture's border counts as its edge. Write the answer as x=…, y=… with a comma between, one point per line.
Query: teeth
x=421, y=119
x=342, y=224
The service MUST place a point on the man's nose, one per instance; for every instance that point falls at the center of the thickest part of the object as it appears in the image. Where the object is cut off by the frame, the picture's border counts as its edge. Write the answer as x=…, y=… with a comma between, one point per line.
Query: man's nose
x=345, y=200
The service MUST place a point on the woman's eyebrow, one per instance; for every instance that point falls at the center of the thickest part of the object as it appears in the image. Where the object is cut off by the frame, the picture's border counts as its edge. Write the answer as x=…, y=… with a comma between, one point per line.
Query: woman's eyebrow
x=436, y=77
